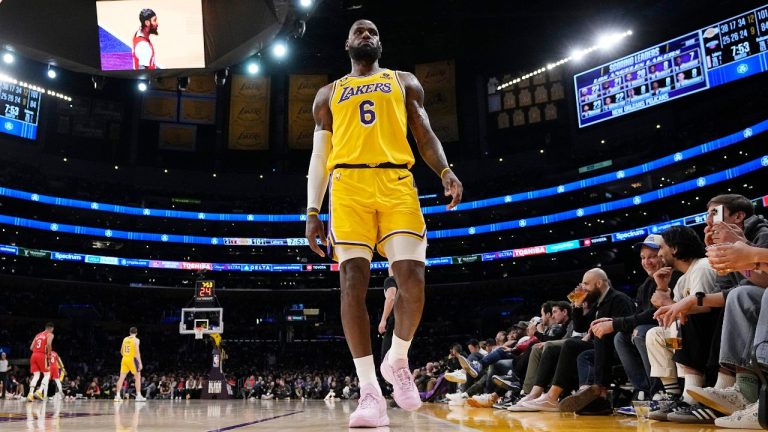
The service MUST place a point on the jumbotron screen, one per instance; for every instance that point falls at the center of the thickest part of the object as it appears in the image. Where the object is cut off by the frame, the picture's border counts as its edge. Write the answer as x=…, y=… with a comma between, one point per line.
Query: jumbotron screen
x=150, y=34
x=19, y=109
x=717, y=54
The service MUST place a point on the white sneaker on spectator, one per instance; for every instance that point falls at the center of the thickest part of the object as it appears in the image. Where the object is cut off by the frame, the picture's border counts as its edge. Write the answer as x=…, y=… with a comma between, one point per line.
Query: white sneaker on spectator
x=456, y=399
x=727, y=400
x=743, y=419
x=140, y=398
x=457, y=376
x=542, y=403
x=519, y=407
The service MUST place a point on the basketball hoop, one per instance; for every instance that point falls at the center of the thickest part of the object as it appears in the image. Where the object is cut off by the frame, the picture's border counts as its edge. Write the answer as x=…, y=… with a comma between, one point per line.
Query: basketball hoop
x=198, y=332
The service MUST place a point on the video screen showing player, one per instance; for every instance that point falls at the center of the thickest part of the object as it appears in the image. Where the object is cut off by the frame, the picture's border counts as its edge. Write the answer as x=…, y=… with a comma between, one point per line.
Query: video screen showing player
x=659, y=70
x=150, y=34
x=688, y=77
x=687, y=60
x=589, y=94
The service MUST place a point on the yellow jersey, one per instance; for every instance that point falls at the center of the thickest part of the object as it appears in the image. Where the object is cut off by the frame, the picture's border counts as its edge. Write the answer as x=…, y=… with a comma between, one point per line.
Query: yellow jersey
x=370, y=122
x=128, y=348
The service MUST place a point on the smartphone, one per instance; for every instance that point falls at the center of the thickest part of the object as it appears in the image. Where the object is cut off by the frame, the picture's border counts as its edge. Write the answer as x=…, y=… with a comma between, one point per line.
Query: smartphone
x=717, y=214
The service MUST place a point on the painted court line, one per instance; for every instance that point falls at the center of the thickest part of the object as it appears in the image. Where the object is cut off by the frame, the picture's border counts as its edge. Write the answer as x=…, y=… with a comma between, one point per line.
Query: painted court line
x=254, y=422
x=447, y=423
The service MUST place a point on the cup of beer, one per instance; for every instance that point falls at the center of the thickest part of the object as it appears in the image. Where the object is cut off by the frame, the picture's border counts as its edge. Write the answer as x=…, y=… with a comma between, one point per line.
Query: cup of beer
x=578, y=294
x=714, y=248
x=673, y=339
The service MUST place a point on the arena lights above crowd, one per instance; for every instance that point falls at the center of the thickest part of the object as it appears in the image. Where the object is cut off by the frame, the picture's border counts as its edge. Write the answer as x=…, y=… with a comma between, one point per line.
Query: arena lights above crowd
x=687, y=154
x=607, y=41
x=522, y=252
x=730, y=173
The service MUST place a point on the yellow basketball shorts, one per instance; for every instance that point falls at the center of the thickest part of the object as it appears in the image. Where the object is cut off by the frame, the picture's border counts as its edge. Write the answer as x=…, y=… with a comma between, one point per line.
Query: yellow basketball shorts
x=371, y=205
x=129, y=364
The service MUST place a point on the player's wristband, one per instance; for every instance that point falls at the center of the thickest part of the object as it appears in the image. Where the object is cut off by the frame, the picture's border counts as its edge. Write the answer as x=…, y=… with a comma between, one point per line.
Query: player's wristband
x=444, y=170
x=312, y=213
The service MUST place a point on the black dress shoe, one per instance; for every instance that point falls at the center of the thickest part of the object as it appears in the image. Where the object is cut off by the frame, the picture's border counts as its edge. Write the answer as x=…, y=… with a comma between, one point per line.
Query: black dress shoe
x=599, y=406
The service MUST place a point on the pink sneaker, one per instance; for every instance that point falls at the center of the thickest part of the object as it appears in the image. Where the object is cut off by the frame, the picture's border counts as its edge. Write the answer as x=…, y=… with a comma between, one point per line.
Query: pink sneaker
x=371, y=409
x=404, y=389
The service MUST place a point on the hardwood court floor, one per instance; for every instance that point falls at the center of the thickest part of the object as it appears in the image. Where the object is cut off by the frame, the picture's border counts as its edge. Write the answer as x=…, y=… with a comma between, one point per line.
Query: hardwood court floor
x=239, y=415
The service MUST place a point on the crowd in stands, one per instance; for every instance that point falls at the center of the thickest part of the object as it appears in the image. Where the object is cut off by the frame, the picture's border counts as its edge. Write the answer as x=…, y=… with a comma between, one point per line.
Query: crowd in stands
x=692, y=342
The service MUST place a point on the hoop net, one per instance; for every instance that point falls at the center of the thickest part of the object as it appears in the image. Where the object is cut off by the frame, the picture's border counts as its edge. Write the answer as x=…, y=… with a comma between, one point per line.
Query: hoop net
x=198, y=332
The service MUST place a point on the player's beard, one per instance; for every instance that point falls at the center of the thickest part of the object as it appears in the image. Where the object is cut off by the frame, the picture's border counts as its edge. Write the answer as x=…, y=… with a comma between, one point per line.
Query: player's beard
x=365, y=53
x=153, y=30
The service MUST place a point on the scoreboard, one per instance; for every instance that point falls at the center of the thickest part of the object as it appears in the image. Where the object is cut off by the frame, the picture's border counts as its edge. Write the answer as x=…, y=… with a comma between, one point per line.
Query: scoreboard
x=19, y=109
x=729, y=50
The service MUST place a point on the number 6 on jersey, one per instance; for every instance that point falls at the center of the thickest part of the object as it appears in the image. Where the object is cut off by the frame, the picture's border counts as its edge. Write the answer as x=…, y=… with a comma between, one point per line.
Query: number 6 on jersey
x=367, y=114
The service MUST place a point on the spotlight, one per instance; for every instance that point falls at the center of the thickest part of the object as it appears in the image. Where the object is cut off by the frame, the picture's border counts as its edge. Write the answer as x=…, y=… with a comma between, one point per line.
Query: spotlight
x=220, y=77
x=51, y=72
x=253, y=68
x=8, y=58
x=142, y=86
x=279, y=49
x=299, y=28
x=577, y=54
x=306, y=4
x=608, y=41
x=182, y=83
x=98, y=82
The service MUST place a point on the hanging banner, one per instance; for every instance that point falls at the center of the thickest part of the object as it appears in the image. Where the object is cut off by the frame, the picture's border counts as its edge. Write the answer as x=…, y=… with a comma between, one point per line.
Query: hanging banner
x=198, y=110
x=301, y=94
x=162, y=106
x=249, y=113
x=174, y=136
x=439, y=82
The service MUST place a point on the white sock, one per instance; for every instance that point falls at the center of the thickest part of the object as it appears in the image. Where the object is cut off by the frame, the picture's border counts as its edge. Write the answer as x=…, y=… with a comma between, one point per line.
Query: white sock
x=366, y=371
x=44, y=385
x=724, y=381
x=399, y=350
x=58, y=385
x=692, y=381
x=33, y=383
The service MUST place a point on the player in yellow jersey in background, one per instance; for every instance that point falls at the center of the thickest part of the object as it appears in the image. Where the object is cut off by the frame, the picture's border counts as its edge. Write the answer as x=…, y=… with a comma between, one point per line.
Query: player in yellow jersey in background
x=131, y=362
x=360, y=142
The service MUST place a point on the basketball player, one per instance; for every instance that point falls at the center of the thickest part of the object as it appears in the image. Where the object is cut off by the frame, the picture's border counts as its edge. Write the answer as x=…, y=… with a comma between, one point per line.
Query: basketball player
x=57, y=374
x=131, y=362
x=143, y=50
x=41, y=347
x=360, y=141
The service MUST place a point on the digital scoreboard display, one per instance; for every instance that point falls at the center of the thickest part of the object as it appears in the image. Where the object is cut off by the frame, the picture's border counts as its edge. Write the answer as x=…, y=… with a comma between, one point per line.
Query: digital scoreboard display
x=205, y=290
x=714, y=55
x=19, y=109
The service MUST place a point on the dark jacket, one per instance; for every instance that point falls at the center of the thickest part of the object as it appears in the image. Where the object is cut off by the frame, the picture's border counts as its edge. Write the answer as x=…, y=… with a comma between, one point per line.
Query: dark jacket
x=645, y=310
x=615, y=304
x=756, y=231
x=554, y=332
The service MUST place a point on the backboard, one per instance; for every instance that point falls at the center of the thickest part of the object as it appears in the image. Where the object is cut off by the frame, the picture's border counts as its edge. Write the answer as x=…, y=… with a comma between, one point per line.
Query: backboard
x=211, y=320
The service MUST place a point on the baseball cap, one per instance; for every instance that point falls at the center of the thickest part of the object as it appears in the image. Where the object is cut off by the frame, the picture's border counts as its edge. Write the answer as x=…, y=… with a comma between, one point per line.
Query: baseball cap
x=522, y=324
x=390, y=282
x=653, y=241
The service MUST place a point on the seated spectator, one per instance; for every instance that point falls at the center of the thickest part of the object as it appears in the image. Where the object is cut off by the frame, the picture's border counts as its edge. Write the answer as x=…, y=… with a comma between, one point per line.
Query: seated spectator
x=682, y=250
x=93, y=391
x=608, y=303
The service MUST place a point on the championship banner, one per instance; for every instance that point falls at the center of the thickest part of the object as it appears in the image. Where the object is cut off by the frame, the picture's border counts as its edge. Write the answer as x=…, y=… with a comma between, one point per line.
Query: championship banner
x=175, y=136
x=198, y=110
x=301, y=94
x=249, y=113
x=439, y=82
x=202, y=84
x=160, y=106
